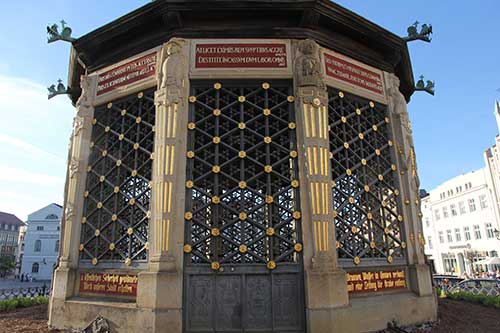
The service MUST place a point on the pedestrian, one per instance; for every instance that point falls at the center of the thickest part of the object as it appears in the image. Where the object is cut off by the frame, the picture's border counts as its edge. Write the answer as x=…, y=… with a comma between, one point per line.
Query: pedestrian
x=22, y=277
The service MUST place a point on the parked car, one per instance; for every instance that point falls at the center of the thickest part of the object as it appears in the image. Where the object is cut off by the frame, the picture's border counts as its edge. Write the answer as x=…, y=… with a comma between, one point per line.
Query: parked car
x=479, y=286
x=445, y=282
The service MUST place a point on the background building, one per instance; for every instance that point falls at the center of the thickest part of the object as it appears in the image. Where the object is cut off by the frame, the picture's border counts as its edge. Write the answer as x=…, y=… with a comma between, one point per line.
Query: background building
x=9, y=234
x=20, y=247
x=41, y=243
x=461, y=217
x=459, y=222
x=492, y=160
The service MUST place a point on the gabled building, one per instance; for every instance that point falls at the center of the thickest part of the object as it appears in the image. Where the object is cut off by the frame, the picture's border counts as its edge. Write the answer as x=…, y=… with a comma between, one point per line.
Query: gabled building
x=41, y=243
x=9, y=234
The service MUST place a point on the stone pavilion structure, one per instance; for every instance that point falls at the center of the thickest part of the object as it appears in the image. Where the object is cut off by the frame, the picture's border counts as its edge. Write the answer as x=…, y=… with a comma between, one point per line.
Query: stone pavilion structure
x=241, y=166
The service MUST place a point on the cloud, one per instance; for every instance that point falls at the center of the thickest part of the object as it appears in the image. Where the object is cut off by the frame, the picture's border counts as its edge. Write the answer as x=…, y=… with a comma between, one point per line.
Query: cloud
x=34, y=136
x=26, y=147
x=24, y=176
x=24, y=106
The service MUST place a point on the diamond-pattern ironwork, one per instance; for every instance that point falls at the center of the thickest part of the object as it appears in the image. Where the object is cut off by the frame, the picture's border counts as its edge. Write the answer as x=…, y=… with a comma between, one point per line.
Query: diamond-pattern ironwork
x=242, y=202
x=366, y=199
x=118, y=187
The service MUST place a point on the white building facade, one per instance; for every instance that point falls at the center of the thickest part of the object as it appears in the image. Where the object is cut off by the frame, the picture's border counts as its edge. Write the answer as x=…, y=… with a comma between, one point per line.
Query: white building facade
x=41, y=242
x=492, y=160
x=459, y=222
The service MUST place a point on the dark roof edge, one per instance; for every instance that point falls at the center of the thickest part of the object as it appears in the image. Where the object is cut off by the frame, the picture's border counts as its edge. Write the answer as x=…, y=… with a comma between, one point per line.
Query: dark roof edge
x=338, y=17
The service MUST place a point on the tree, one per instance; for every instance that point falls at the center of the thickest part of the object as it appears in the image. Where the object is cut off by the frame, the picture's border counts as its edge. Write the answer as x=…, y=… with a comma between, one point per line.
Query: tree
x=7, y=264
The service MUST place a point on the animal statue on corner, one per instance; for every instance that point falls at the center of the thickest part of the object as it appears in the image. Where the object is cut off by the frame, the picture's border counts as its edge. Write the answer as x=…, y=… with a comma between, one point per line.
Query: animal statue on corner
x=59, y=90
x=424, y=34
x=428, y=86
x=55, y=35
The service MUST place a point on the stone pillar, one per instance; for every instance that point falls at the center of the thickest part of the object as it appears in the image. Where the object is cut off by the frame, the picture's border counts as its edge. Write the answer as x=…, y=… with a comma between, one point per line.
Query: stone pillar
x=325, y=283
x=420, y=276
x=160, y=287
x=65, y=274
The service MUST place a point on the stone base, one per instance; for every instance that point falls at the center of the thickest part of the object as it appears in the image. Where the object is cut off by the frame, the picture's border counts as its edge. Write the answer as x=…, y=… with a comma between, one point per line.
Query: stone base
x=364, y=314
x=64, y=282
x=76, y=314
x=421, y=279
x=160, y=290
x=326, y=288
x=372, y=313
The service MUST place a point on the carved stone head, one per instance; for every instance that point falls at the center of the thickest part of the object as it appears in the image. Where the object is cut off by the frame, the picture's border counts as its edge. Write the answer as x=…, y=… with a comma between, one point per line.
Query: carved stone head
x=308, y=47
x=172, y=48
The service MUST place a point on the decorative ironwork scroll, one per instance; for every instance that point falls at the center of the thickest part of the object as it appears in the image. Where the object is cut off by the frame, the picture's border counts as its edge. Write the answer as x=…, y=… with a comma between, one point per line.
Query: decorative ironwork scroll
x=116, y=215
x=367, y=201
x=242, y=202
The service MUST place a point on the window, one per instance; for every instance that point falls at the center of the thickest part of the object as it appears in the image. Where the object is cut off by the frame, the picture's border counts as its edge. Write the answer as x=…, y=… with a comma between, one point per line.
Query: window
x=458, y=235
x=39, y=228
x=58, y=228
x=56, y=248
x=482, y=201
x=427, y=222
x=453, y=209
x=477, y=232
x=448, y=236
x=52, y=217
x=461, y=207
x=489, y=231
x=429, y=242
x=472, y=205
x=445, y=212
x=467, y=233
x=436, y=213
x=466, y=186
x=449, y=262
x=441, y=237
x=35, y=267
x=38, y=245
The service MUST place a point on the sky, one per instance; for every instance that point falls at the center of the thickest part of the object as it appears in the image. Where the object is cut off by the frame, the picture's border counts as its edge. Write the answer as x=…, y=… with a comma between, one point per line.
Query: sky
x=451, y=129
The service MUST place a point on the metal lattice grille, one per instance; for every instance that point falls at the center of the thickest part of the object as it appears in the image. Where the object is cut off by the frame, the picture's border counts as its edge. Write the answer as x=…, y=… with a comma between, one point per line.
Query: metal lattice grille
x=242, y=198
x=365, y=195
x=118, y=188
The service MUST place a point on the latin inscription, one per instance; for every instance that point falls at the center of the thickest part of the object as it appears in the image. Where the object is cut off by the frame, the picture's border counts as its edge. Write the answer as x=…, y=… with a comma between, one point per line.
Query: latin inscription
x=130, y=72
x=376, y=281
x=343, y=70
x=240, y=55
x=113, y=284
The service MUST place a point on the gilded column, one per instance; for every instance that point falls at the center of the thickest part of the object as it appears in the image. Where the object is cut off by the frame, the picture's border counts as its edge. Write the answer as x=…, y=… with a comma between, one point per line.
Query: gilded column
x=74, y=189
x=410, y=186
x=161, y=286
x=325, y=284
